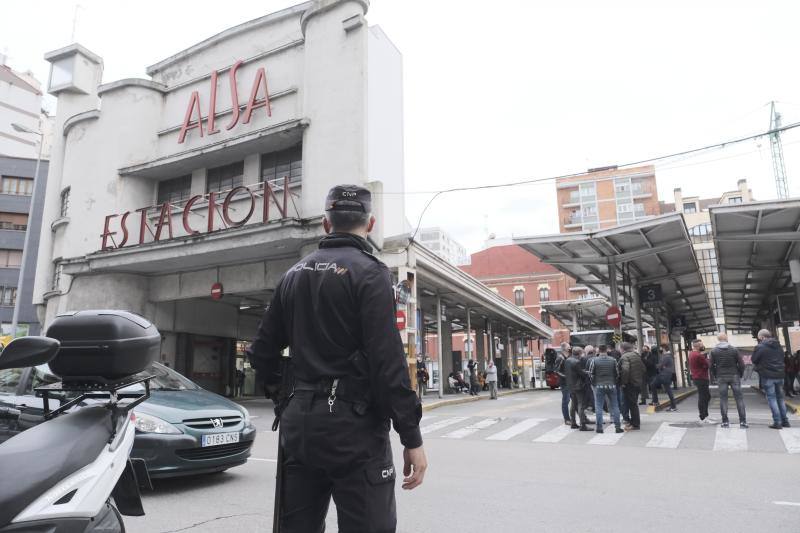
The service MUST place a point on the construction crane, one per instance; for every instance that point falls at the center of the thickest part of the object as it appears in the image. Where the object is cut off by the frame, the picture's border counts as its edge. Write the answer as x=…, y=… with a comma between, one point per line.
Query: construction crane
x=778, y=166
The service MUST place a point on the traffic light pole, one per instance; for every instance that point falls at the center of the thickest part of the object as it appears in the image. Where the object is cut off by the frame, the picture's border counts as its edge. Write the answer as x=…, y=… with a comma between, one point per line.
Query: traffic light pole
x=612, y=285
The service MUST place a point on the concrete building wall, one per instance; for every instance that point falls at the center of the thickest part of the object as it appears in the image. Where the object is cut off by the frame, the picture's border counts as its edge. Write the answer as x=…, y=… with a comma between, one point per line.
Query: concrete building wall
x=20, y=103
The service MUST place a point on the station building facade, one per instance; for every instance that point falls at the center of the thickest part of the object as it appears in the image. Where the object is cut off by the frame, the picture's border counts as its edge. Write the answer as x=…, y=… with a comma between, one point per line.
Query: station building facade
x=184, y=197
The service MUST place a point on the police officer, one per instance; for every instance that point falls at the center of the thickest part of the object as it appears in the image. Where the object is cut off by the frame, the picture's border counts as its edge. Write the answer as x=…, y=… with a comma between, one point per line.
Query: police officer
x=335, y=309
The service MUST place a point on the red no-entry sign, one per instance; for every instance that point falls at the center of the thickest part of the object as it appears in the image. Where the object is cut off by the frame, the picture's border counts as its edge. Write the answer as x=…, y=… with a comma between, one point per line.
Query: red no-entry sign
x=401, y=320
x=216, y=291
x=614, y=316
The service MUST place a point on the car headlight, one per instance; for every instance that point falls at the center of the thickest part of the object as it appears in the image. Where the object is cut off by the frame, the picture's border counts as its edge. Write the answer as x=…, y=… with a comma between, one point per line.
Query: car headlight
x=153, y=424
x=246, y=414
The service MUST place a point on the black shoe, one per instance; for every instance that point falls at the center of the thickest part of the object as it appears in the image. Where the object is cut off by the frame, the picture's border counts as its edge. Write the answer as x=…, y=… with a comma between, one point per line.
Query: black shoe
x=584, y=428
x=775, y=426
x=725, y=425
x=785, y=424
x=574, y=426
x=642, y=403
x=619, y=430
x=672, y=409
x=600, y=430
x=743, y=425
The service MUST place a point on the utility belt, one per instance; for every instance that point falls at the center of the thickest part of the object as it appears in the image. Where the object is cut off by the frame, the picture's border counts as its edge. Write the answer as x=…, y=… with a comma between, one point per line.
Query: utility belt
x=346, y=388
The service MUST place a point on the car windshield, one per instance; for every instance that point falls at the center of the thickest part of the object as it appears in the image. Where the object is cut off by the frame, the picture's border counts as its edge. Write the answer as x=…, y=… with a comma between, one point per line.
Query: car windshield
x=164, y=379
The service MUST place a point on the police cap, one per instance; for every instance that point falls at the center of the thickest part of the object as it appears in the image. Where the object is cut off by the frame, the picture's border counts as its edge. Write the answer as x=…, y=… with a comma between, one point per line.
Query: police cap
x=349, y=198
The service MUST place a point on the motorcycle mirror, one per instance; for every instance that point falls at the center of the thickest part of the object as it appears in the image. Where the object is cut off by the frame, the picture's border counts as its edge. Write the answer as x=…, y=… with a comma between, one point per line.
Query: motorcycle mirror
x=28, y=351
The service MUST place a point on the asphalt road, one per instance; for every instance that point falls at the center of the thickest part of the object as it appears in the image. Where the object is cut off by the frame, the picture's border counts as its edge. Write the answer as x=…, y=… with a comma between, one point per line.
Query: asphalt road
x=510, y=465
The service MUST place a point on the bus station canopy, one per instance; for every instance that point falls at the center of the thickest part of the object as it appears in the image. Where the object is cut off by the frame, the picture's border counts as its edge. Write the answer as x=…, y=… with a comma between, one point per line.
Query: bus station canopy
x=589, y=312
x=656, y=250
x=755, y=242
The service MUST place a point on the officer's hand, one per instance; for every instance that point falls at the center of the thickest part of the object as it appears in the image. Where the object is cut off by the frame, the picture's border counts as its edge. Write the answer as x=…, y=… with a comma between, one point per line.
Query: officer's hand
x=414, y=466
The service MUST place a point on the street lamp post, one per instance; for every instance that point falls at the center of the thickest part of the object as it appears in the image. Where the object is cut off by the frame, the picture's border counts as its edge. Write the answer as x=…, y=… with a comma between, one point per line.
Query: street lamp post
x=26, y=246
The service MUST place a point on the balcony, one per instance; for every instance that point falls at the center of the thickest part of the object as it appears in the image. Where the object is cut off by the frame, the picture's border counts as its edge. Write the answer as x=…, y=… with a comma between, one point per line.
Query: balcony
x=574, y=200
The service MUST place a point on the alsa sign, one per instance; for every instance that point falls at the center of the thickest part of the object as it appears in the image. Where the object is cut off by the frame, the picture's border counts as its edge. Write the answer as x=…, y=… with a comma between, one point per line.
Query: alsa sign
x=194, y=114
x=214, y=211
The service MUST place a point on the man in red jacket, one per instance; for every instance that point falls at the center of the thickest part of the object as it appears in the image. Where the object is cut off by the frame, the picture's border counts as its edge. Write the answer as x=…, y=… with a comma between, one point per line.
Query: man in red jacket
x=698, y=365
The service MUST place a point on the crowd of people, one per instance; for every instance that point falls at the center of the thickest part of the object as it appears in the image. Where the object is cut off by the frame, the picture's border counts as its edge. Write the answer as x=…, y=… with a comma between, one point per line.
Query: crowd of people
x=617, y=382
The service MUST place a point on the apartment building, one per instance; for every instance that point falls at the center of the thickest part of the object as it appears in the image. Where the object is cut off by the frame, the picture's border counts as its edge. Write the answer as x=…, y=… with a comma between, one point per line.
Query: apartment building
x=605, y=197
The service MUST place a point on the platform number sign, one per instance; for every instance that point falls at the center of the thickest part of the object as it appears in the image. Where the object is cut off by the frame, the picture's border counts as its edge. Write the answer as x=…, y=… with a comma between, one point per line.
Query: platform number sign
x=650, y=296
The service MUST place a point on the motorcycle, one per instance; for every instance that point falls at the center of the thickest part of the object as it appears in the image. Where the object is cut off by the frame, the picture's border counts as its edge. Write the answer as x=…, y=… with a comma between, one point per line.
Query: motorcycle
x=73, y=472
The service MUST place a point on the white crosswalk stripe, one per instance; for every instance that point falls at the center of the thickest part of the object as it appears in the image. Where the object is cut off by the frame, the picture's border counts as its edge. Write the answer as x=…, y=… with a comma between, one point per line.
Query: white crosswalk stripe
x=472, y=428
x=730, y=440
x=441, y=424
x=608, y=438
x=666, y=437
x=555, y=435
x=791, y=439
x=516, y=429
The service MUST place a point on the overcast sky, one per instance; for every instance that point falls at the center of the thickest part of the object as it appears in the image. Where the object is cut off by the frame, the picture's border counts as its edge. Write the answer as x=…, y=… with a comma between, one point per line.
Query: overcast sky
x=509, y=90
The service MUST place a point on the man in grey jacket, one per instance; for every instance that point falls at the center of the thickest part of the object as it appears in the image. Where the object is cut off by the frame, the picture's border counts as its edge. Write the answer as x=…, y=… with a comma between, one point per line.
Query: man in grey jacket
x=727, y=366
x=666, y=367
x=604, y=374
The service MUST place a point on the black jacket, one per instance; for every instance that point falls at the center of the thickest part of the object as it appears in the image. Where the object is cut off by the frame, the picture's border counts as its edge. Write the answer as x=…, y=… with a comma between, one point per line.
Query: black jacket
x=650, y=360
x=726, y=363
x=334, y=302
x=575, y=373
x=768, y=359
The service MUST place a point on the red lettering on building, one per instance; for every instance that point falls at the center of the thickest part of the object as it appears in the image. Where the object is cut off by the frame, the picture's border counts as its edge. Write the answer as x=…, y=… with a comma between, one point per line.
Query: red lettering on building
x=234, y=96
x=165, y=219
x=123, y=224
x=212, y=105
x=258, y=98
x=143, y=223
x=226, y=206
x=194, y=103
x=253, y=102
x=107, y=233
x=269, y=193
x=270, y=196
x=188, y=211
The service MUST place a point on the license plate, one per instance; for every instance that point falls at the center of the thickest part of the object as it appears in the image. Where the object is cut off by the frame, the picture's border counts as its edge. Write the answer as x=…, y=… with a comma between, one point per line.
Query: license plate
x=217, y=439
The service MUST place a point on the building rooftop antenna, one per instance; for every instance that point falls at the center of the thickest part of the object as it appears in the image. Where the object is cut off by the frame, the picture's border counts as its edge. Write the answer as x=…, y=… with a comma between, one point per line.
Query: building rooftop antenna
x=779, y=168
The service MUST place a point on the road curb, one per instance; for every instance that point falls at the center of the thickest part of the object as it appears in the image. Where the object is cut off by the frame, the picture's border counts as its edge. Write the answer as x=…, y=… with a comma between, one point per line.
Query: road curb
x=791, y=405
x=652, y=409
x=468, y=399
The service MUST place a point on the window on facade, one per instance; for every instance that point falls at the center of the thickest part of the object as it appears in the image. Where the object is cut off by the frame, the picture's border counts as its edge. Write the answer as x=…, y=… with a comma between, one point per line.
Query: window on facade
x=638, y=209
x=174, y=190
x=225, y=178
x=544, y=294
x=10, y=258
x=286, y=163
x=587, y=190
x=13, y=221
x=735, y=200
x=18, y=186
x=622, y=187
x=545, y=317
x=701, y=233
x=626, y=207
x=65, y=202
x=690, y=207
x=519, y=297
x=8, y=296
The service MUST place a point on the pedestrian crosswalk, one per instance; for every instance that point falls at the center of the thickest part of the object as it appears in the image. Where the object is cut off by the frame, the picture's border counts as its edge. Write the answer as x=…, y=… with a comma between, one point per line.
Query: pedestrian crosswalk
x=665, y=435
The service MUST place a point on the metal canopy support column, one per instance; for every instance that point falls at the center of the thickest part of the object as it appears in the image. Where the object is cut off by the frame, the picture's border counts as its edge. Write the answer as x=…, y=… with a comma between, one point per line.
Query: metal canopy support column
x=439, y=343
x=480, y=351
x=511, y=360
x=612, y=285
x=637, y=310
x=575, y=326
x=657, y=325
x=469, y=344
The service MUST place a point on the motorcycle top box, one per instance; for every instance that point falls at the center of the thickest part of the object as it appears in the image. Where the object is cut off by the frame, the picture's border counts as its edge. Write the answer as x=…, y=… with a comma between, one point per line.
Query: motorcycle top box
x=108, y=344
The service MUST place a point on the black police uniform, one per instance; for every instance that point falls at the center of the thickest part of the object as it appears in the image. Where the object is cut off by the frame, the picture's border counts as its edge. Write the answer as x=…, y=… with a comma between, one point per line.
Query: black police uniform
x=336, y=310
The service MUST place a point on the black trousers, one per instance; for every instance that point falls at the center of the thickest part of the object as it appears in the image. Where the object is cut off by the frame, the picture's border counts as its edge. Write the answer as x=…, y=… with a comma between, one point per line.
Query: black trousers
x=703, y=397
x=631, y=393
x=341, y=455
x=577, y=403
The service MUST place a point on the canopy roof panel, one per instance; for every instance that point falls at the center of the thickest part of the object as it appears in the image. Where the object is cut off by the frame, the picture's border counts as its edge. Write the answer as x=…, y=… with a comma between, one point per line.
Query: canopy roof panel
x=755, y=242
x=657, y=250
x=591, y=313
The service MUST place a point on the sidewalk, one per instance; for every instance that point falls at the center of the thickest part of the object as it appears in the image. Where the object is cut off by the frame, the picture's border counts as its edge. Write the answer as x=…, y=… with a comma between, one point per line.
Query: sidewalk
x=792, y=404
x=680, y=395
x=431, y=401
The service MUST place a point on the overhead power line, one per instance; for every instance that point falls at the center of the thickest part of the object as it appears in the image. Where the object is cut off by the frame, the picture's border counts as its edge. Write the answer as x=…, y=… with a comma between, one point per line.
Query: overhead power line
x=691, y=151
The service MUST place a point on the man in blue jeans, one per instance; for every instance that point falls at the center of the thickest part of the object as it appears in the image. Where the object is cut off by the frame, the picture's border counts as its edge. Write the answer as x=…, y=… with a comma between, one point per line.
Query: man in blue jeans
x=666, y=367
x=605, y=375
x=769, y=363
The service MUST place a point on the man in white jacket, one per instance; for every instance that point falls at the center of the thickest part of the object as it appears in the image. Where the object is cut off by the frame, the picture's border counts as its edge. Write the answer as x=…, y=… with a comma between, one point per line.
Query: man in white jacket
x=491, y=379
